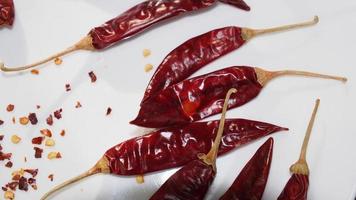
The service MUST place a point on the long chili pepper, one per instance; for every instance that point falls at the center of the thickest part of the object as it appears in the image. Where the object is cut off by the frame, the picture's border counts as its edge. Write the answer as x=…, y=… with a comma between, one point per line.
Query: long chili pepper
x=251, y=182
x=199, y=97
x=197, y=52
x=7, y=12
x=135, y=20
x=297, y=186
x=173, y=147
x=192, y=181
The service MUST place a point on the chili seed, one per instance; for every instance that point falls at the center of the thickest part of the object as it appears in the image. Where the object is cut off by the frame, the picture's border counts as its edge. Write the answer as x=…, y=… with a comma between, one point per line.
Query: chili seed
x=92, y=76
x=140, y=179
x=37, y=140
x=20, y=172
x=10, y=108
x=24, y=120
x=9, y=195
x=33, y=118
x=50, y=142
x=35, y=72
x=148, y=67
x=58, y=61
x=46, y=132
x=15, y=139
x=146, y=53
x=54, y=155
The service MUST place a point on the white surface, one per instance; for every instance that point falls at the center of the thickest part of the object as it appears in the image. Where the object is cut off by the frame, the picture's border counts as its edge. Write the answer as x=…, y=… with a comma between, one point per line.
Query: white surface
x=46, y=26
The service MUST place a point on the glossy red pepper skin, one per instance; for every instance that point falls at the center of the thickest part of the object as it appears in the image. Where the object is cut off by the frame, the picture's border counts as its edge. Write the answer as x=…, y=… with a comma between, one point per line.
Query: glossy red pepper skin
x=199, y=97
x=7, y=12
x=194, y=181
x=144, y=15
x=192, y=55
x=251, y=182
x=176, y=146
x=296, y=188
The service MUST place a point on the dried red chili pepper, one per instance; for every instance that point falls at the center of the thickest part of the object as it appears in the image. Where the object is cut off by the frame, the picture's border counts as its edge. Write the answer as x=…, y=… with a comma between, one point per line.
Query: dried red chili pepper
x=135, y=20
x=194, y=179
x=197, y=52
x=251, y=182
x=199, y=97
x=297, y=186
x=7, y=12
x=175, y=146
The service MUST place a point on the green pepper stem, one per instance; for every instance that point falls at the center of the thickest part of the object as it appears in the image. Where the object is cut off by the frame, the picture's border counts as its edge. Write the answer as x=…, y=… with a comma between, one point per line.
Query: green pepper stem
x=83, y=44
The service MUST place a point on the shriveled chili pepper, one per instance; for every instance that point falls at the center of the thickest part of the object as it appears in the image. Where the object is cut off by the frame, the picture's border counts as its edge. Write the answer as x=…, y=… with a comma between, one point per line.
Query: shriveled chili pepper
x=199, y=97
x=251, y=182
x=7, y=12
x=297, y=186
x=194, y=179
x=197, y=52
x=174, y=146
x=133, y=21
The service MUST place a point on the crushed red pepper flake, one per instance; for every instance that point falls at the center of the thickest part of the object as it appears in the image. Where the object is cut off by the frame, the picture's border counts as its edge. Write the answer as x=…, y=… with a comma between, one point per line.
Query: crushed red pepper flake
x=38, y=152
x=38, y=106
x=78, y=105
x=8, y=164
x=37, y=140
x=49, y=120
x=1, y=122
x=2, y=137
x=68, y=88
x=35, y=72
x=46, y=132
x=5, y=156
x=33, y=118
x=92, y=76
x=16, y=177
x=13, y=185
x=108, y=111
x=63, y=133
x=10, y=108
x=50, y=177
x=23, y=185
x=58, y=113
x=13, y=120
x=4, y=189
x=33, y=172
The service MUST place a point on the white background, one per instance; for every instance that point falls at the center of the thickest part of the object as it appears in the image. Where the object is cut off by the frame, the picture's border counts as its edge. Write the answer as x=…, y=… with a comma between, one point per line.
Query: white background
x=46, y=26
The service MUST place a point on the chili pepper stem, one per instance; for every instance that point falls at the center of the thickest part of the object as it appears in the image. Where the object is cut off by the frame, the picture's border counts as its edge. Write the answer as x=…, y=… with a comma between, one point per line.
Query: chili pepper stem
x=210, y=157
x=301, y=166
x=248, y=33
x=264, y=76
x=100, y=167
x=84, y=44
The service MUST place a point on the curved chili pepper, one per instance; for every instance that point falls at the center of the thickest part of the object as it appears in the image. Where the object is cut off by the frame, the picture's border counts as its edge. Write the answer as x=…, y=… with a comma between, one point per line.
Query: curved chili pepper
x=199, y=51
x=297, y=186
x=135, y=20
x=199, y=97
x=174, y=146
x=7, y=12
x=194, y=179
x=251, y=182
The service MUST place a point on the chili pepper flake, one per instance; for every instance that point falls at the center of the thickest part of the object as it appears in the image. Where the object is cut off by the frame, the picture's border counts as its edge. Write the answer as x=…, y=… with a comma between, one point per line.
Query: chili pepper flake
x=8, y=164
x=57, y=114
x=1, y=122
x=38, y=106
x=33, y=118
x=108, y=111
x=35, y=72
x=1, y=137
x=23, y=185
x=38, y=152
x=63, y=133
x=54, y=155
x=49, y=120
x=12, y=185
x=148, y=67
x=4, y=189
x=10, y=108
x=92, y=76
x=50, y=177
x=5, y=156
x=58, y=61
x=37, y=140
x=24, y=120
x=13, y=120
x=50, y=142
x=9, y=195
x=33, y=172
x=25, y=159
x=146, y=53
x=78, y=105
x=15, y=139
x=68, y=88
x=32, y=182
x=46, y=132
